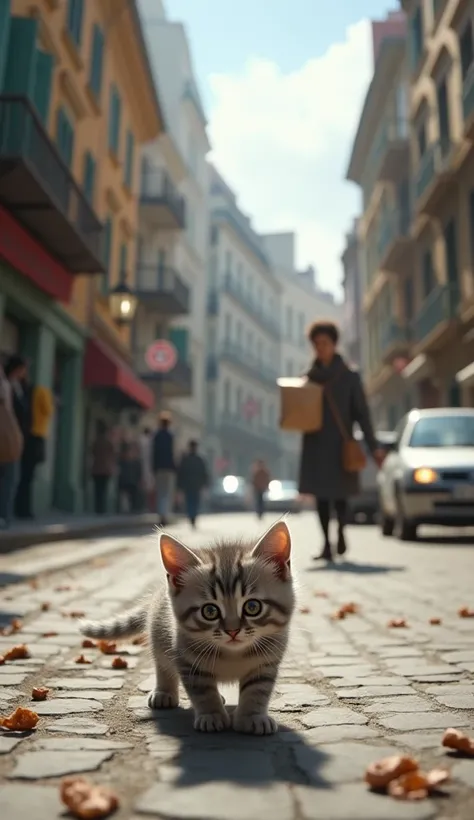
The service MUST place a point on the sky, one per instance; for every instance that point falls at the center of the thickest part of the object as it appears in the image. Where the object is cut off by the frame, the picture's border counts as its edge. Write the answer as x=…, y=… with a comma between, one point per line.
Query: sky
x=283, y=85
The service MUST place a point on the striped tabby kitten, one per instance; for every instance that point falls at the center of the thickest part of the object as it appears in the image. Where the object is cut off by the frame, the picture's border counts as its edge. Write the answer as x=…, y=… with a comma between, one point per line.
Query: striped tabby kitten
x=225, y=617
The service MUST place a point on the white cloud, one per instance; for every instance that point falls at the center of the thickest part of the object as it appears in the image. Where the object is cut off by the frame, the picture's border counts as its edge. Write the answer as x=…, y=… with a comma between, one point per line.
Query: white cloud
x=282, y=141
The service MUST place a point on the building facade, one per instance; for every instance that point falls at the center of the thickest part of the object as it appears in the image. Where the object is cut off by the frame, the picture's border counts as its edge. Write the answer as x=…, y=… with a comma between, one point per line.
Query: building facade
x=380, y=165
x=441, y=68
x=174, y=227
x=352, y=323
x=243, y=339
x=72, y=122
x=301, y=303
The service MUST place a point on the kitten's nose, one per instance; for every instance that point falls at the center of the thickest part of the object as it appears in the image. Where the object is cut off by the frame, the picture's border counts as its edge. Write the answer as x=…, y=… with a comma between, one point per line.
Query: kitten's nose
x=233, y=633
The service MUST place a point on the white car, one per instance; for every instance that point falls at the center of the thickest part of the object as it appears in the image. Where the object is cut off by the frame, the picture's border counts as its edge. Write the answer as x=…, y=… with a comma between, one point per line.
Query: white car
x=428, y=477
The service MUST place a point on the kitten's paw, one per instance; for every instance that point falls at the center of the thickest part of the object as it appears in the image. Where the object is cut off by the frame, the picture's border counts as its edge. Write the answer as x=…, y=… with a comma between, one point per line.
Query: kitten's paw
x=212, y=722
x=162, y=700
x=254, y=724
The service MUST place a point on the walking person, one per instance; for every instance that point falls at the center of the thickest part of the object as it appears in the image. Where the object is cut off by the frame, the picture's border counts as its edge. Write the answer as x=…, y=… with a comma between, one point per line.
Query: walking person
x=11, y=445
x=16, y=372
x=164, y=467
x=130, y=477
x=104, y=464
x=325, y=471
x=41, y=405
x=260, y=482
x=192, y=479
x=148, y=480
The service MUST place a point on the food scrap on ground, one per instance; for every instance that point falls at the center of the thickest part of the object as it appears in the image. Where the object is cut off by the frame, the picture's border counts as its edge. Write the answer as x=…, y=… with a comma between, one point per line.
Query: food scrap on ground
x=82, y=659
x=87, y=801
x=397, y=623
x=400, y=777
x=88, y=644
x=107, y=647
x=119, y=663
x=17, y=653
x=21, y=720
x=345, y=609
x=39, y=693
x=458, y=741
x=15, y=626
x=62, y=588
x=320, y=593
x=465, y=612
x=435, y=621
x=45, y=606
x=33, y=583
x=305, y=610
x=49, y=634
x=76, y=613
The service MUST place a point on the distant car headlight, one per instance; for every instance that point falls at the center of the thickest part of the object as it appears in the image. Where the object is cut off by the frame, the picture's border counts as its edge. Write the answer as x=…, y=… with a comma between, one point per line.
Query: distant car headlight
x=230, y=484
x=425, y=475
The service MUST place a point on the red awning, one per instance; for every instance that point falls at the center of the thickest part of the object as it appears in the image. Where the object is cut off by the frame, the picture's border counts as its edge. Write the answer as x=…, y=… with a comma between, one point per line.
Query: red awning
x=104, y=368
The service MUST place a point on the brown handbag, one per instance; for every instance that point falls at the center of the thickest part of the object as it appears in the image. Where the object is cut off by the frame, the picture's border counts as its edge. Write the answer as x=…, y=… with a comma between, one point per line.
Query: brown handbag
x=11, y=439
x=353, y=457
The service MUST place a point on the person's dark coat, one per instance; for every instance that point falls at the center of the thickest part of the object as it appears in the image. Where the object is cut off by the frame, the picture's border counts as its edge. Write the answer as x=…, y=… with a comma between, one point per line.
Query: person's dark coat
x=192, y=474
x=163, y=451
x=321, y=470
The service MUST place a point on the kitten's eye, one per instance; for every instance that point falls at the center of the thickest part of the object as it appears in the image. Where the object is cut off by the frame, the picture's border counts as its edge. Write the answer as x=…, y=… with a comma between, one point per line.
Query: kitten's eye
x=252, y=608
x=210, y=612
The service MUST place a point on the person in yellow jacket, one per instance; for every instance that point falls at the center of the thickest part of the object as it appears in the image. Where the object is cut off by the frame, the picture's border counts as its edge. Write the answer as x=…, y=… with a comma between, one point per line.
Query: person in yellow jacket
x=34, y=453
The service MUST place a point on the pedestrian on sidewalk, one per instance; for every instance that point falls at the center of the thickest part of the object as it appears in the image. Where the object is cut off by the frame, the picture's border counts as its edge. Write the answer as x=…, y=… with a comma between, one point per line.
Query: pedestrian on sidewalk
x=11, y=446
x=41, y=412
x=260, y=478
x=104, y=465
x=192, y=479
x=148, y=479
x=164, y=467
x=323, y=470
x=16, y=372
x=130, y=478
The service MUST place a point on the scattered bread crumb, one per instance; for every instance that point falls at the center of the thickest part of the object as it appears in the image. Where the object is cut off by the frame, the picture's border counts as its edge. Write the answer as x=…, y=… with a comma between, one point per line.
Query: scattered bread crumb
x=107, y=647
x=39, y=693
x=435, y=621
x=21, y=720
x=397, y=623
x=17, y=653
x=87, y=801
x=88, y=644
x=459, y=741
x=49, y=634
x=82, y=659
x=119, y=663
x=465, y=612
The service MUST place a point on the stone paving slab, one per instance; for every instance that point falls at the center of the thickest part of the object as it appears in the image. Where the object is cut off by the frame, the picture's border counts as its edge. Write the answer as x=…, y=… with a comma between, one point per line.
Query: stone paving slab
x=349, y=692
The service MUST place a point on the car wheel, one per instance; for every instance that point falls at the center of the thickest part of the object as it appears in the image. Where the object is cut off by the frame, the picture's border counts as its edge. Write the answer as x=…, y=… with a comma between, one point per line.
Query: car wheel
x=405, y=530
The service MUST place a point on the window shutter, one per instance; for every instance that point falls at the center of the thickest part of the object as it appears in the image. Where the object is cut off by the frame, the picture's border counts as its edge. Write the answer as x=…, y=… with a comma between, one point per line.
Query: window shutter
x=107, y=253
x=179, y=337
x=21, y=57
x=65, y=136
x=89, y=176
x=123, y=258
x=115, y=107
x=129, y=156
x=4, y=35
x=75, y=14
x=44, y=67
x=97, y=57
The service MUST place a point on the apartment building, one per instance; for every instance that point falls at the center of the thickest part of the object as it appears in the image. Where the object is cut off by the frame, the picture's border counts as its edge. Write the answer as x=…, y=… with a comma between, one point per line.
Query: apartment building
x=243, y=337
x=352, y=322
x=174, y=226
x=441, y=68
x=380, y=165
x=73, y=115
x=301, y=302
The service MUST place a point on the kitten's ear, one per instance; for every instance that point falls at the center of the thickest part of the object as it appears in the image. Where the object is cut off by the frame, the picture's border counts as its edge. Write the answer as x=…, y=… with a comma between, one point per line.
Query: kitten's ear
x=275, y=545
x=176, y=557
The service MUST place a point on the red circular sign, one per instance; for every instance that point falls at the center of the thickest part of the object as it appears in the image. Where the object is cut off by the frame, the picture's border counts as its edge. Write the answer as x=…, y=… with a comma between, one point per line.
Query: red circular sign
x=161, y=356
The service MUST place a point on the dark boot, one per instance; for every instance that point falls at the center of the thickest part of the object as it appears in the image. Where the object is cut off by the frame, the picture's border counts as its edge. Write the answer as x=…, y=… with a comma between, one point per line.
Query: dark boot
x=325, y=555
x=341, y=543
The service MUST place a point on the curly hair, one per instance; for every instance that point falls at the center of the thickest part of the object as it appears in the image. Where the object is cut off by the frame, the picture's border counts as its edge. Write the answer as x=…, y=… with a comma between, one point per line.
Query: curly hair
x=323, y=327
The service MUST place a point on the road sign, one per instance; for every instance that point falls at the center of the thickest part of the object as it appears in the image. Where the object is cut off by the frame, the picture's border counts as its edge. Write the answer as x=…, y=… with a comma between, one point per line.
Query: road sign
x=161, y=356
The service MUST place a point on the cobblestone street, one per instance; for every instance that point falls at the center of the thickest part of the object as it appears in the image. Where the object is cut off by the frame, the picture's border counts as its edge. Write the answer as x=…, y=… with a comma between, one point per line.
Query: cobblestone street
x=350, y=691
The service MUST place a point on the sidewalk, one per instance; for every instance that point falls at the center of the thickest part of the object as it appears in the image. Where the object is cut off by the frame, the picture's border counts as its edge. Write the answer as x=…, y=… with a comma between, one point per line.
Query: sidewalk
x=65, y=528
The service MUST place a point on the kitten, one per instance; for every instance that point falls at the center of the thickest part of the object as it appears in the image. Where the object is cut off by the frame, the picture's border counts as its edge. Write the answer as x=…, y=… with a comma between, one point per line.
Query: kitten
x=224, y=617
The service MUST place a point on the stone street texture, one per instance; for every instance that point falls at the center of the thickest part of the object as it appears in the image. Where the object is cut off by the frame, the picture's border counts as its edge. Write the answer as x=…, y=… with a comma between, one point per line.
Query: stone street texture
x=350, y=691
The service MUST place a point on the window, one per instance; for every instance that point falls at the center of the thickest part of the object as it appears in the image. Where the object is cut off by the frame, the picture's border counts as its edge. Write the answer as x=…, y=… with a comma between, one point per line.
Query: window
x=227, y=326
x=471, y=222
x=226, y=395
x=466, y=47
x=123, y=258
x=129, y=156
x=421, y=139
x=107, y=247
x=115, y=113
x=97, y=58
x=65, y=136
x=75, y=13
x=88, y=183
x=289, y=322
x=408, y=295
x=228, y=263
x=44, y=67
x=450, y=240
x=428, y=277
x=443, y=431
x=443, y=115
x=416, y=37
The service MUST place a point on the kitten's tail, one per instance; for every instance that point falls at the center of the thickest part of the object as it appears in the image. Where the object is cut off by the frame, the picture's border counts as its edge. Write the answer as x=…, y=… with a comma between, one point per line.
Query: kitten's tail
x=130, y=623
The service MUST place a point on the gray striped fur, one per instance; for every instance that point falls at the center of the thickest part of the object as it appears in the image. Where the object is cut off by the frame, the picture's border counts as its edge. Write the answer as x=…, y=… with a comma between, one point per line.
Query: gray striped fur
x=201, y=653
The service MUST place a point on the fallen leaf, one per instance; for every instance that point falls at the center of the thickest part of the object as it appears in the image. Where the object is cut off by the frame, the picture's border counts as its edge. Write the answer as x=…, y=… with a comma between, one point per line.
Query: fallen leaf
x=45, y=606
x=380, y=773
x=82, y=659
x=88, y=644
x=21, y=720
x=39, y=693
x=397, y=623
x=350, y=609
x=49, y=634
x=17, y=653
x=107, y=647
x=76, y=614
x=119, y=663
x=87, y=801
x=435, y=621
x=465, y=612
x=459, y=741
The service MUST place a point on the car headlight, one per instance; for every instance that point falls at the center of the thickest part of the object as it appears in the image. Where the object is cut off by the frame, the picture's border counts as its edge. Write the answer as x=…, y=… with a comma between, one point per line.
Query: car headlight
x=425, y=475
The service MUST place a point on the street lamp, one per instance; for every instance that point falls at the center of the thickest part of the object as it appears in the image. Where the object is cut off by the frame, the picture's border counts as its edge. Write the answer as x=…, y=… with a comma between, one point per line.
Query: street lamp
x=122, y=303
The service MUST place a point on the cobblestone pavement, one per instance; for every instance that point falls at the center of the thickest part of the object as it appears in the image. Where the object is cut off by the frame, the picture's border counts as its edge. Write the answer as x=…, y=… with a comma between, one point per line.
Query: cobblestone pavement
x=350, y=691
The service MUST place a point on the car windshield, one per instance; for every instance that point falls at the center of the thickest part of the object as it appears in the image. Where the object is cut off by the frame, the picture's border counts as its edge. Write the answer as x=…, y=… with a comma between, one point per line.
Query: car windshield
x=443, y=431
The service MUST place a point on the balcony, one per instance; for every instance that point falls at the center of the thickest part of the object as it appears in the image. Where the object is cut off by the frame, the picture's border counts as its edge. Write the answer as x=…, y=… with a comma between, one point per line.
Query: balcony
x=394, y=239
x=38, y=189
x=212, y=303
x=390, y=154
x=178, y=383
x=160, y=201
x=437, y=312
x=161, y=289
x=468, y=102
x=434, y=177
x=265, y=321
x=235, y=354
x=395, y=342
